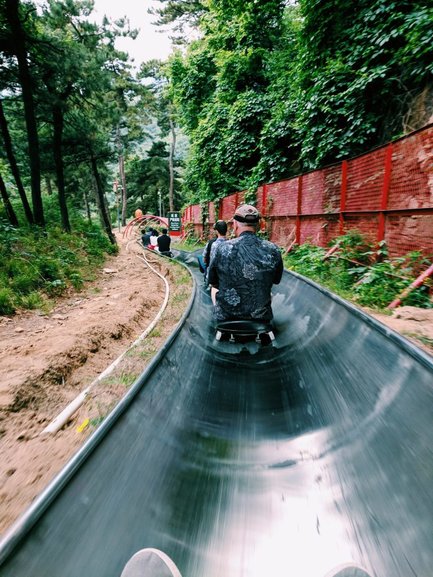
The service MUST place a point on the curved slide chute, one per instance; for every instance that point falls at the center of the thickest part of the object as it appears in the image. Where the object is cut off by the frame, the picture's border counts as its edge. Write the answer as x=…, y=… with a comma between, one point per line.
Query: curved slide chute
x=241, y=460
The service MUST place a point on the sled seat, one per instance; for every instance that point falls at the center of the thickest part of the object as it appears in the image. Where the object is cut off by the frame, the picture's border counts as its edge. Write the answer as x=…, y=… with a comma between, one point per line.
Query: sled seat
x=244, y=328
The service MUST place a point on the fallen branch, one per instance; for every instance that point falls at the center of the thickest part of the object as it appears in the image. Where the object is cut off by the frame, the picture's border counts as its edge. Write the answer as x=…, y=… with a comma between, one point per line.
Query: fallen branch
x=292, y=244
x=416, y=283
x=331, y=251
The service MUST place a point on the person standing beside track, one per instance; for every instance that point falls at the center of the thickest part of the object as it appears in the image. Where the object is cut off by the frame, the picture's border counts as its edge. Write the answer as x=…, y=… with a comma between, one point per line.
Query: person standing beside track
x=243, y=271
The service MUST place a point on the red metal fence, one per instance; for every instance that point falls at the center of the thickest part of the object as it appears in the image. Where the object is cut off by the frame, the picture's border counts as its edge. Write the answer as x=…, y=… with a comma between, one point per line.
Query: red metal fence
x=386, y=194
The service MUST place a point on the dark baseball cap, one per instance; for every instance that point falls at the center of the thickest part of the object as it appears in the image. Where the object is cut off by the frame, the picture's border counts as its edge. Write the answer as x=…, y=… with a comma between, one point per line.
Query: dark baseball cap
x=247, y=213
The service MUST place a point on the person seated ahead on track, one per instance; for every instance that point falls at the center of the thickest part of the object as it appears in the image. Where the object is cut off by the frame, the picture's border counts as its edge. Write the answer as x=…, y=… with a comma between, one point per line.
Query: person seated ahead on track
x=145, y=237
x=164, y=242
x=153, y=244
x=220, y=228
x=243, y=271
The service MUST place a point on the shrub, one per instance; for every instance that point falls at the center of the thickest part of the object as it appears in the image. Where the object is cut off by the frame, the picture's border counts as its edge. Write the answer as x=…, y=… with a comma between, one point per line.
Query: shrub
x=35, y=262
x=31, y=301
x=362, y=272
x=6, y=302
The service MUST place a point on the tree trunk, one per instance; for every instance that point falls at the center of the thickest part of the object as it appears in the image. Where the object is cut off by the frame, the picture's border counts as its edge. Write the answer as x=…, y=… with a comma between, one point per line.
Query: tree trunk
x=124, y=193
x=12, y=15
x=48, y=185
x=100, y=200
x=58, y=160
x=12, y=217
x=87, y=205
x=171, y=164
x=14, y=166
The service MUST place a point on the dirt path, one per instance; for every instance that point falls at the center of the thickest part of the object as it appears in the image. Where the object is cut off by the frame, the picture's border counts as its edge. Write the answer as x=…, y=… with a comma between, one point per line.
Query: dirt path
x=47, y=360
x=416, y=325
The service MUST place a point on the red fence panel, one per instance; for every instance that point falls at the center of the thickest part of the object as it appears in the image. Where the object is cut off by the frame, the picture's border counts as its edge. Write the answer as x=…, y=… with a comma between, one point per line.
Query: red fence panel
x=228, y=205
x=412, y=172
x=212, y=213
x=406, y=233
x=313, y=192
x=282, y=197
x=386, y=194
x=365, y=177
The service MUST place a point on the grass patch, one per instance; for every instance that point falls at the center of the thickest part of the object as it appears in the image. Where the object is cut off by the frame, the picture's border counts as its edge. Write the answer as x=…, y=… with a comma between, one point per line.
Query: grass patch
x=182, y=279
x=126, y=379
x=155, y=333
x=189, y=245
x=38, y=265
x=179, y=298
x=146, y=354
x=423, y=339
x=95, y=422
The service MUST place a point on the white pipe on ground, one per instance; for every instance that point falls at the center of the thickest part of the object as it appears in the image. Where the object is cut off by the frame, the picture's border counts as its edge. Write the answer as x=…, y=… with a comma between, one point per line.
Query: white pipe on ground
x=74, y=405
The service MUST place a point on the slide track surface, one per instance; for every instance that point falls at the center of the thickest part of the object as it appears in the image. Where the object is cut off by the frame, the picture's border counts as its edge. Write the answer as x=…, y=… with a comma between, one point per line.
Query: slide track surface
x=241, y=460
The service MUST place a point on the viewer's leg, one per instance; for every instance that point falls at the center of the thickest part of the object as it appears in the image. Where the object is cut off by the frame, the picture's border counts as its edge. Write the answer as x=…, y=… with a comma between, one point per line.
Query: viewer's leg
x=150, y=563
x=348, y=570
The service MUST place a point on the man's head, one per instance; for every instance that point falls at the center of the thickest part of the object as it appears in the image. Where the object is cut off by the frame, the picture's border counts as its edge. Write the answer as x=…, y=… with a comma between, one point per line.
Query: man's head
x=221, y=227
x=246, y=217
x=164, y=230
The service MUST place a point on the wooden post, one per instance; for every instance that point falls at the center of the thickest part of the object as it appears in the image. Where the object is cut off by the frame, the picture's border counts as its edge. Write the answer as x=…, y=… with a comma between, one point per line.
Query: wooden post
x=343, y=197
x=299, y=211
x=264, y=206
x=416, y=283
x=385, y=193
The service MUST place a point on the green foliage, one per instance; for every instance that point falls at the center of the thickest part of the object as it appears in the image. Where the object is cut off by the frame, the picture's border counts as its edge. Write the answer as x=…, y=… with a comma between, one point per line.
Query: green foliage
x=384, y=281
x=220, y=87
x=192, y=82
x=85, y=95
x=360, y=272
x=147, y=177
x=36, y=266
x=360, y=70
x=325, y=82
x=307, y=259
x=268, y=89
x=6, y=301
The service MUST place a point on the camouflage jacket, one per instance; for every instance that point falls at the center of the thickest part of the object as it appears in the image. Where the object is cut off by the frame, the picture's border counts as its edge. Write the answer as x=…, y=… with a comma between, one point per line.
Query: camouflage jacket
x=244, y=270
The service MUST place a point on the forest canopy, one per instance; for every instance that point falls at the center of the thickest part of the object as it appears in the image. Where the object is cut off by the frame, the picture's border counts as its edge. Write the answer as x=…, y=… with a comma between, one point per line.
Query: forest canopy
x=265, y=90
x=274, y=88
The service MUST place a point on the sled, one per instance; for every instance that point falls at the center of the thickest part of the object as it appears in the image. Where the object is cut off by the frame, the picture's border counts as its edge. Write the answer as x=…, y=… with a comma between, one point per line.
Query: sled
x=241, y=330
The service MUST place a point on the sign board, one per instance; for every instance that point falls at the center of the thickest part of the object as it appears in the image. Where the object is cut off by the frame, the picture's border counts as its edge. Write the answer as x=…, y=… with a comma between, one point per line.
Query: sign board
x=174, y=221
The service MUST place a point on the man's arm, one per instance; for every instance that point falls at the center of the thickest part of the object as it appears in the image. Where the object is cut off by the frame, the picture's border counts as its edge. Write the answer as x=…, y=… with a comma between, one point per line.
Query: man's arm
x=278, y=269
x=212, y=272
x=206, y=252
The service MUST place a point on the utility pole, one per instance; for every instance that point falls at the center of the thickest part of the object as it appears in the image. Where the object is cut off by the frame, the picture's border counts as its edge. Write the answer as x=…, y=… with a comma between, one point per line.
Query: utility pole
x=116, y=191
x=171, y=161
x=120, y=133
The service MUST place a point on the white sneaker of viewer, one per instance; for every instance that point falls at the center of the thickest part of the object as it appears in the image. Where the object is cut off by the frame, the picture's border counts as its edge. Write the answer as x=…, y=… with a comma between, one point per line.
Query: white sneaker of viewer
x=348, y=570
x=150, y=563
x=155, y=563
